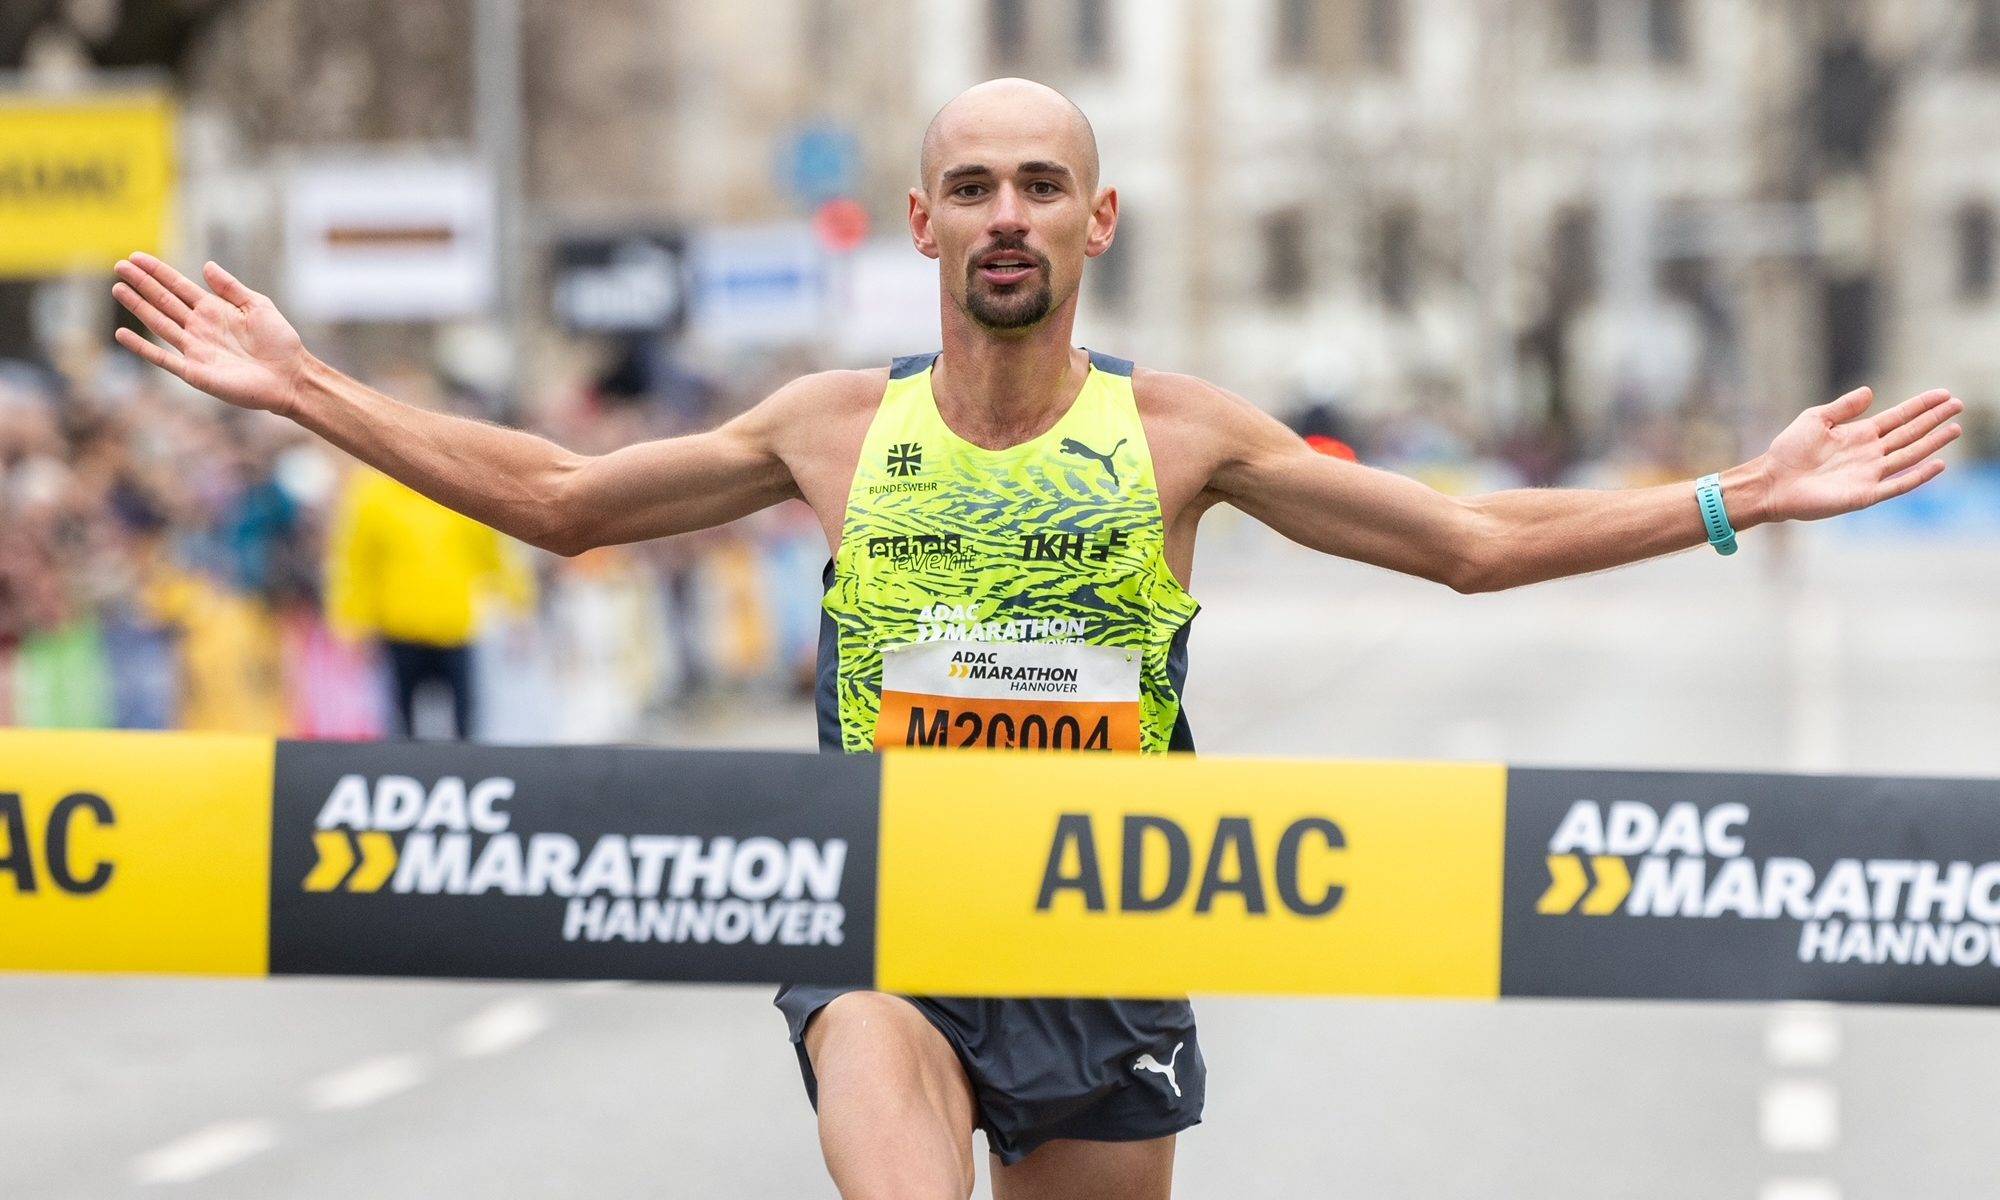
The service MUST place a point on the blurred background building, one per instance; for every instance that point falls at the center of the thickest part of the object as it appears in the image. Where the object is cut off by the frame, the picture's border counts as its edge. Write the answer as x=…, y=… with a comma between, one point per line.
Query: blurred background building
x=1488, y=242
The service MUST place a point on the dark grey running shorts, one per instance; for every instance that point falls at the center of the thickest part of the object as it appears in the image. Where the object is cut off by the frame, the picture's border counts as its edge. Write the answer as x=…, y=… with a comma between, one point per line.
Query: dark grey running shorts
x=1099, y=1070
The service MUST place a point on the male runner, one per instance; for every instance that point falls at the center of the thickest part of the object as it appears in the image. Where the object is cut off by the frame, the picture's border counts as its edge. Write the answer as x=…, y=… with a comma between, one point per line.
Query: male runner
x=1016, y=498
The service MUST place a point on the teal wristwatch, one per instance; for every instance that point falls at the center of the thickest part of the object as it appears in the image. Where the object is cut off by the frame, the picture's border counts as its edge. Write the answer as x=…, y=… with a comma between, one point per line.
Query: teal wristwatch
x=1708, y=492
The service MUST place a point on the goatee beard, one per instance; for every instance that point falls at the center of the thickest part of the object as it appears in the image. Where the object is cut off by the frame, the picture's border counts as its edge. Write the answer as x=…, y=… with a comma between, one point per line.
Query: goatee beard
x=1008, y=312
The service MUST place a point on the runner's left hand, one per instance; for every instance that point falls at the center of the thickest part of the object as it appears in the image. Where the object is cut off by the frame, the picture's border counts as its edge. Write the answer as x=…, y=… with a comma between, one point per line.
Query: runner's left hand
x=1833, y=460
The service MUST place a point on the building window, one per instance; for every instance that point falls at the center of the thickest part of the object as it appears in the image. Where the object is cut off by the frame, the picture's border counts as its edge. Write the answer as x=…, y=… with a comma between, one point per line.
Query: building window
x=1849, y=103
x=1573, y=256
x=1007, y=31
x=1667, y=31
x=1582, y=31
x=822, y=29
x=1093, y=39
x=1298, y=27
x=1975, y=251
x=1986, y=33
x=1382, y=34
x=1851, y=316
x=1396, y=258
x=1341, y=35
x=1286, y=276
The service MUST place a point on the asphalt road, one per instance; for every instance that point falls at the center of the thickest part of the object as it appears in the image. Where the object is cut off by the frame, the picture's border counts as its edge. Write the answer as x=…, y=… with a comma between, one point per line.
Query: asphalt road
x=1840, y=654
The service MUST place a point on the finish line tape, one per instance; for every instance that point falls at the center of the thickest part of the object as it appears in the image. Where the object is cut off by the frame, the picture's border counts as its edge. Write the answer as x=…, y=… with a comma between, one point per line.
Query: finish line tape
x=995, y=874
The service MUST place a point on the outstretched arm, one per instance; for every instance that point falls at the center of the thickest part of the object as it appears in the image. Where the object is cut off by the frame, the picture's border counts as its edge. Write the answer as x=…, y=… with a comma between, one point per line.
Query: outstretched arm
x=234, y=344
x=1832, y=459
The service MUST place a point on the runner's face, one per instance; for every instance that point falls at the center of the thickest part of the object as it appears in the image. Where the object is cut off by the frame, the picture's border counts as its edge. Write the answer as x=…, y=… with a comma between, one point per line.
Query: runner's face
x=1010, y=222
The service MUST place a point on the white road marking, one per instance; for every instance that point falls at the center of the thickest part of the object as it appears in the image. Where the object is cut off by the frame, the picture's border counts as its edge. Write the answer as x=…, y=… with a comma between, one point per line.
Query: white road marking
x=205, y=1152
x=492, y=1030
x=1802, y=1035
x=365, y=1082
x=500, y=1026
x=1801, y=1116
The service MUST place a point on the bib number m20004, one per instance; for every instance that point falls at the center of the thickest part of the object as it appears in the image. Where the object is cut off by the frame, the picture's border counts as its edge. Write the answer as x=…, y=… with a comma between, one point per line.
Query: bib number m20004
x=1009, y=696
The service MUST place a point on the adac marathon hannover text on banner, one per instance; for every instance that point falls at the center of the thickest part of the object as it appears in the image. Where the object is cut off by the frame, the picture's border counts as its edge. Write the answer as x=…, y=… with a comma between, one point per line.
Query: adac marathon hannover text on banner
x=991, y=874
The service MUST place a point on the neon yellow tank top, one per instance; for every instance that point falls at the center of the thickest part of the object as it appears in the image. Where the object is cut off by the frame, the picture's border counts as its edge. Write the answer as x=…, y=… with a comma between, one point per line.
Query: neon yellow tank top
x=1015, y=598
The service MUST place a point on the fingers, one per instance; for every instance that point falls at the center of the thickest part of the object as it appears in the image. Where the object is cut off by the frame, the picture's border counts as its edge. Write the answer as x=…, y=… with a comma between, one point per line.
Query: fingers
x=1925, y=421
x=1889, y=489
x=1911, y=455
x=180, y=285
x=159, y=356
x=1850, y=406
x=167, y=330
x=154, y=291
x=1908, y=409
x=226, y=285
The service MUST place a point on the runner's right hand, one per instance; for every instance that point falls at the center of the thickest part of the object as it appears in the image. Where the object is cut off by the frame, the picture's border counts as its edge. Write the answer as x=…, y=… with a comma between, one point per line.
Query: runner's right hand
x=232, y=343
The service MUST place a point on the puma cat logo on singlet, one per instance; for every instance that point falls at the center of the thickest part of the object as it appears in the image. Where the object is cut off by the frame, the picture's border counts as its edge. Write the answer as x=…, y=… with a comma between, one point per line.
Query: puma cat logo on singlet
x=1072, y=446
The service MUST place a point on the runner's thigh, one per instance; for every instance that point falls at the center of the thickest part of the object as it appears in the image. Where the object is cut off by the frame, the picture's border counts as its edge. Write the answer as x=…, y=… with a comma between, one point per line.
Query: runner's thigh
x=1076, y=1170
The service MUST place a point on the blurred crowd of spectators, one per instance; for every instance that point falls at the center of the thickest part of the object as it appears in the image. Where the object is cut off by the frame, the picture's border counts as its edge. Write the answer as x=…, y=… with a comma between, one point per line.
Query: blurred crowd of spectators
x=1441, y=441
x=167, y=562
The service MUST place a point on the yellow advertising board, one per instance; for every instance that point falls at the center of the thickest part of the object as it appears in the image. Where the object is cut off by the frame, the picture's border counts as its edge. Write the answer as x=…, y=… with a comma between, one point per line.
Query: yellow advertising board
x=1052, y=875
x=134, y=852
x=83, y=180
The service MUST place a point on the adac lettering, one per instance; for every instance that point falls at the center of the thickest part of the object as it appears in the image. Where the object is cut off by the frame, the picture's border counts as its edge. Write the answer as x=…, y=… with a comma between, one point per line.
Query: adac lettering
x=456, y=837
x=57, y=859
x=986, y=664
x=1686, y=863
x=962, y=623
x=1233, y=867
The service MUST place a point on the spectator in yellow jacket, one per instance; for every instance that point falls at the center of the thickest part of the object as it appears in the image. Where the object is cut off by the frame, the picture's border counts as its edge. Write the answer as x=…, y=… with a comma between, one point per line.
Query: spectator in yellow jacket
x=418, y=578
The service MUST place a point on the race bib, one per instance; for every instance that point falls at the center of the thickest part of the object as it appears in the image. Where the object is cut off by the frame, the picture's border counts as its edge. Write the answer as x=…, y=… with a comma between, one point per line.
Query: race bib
x=1009, y=695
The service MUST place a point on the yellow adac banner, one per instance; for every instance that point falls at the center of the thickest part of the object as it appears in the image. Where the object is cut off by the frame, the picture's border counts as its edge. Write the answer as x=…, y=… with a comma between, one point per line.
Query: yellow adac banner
x=83, y=181
x=1048, y=875
x=134, y=852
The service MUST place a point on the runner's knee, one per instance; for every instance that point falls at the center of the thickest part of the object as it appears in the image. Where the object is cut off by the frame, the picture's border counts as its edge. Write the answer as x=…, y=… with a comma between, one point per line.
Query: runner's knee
x=881, y=1045
x=876, y=1035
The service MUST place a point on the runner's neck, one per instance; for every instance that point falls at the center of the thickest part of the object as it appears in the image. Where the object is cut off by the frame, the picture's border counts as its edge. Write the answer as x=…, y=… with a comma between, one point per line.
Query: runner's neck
x=999, y=391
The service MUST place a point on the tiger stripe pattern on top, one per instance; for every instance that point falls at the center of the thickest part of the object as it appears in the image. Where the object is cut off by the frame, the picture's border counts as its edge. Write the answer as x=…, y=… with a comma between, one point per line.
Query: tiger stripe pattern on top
x=1057, y=540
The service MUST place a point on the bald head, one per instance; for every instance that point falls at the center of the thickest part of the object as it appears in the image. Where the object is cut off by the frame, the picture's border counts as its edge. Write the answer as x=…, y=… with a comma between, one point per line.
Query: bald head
x=1019, y=111
x=1009, y=205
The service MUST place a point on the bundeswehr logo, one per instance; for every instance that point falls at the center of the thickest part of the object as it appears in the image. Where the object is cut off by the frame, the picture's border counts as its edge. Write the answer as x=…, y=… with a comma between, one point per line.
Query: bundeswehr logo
x=905, y=459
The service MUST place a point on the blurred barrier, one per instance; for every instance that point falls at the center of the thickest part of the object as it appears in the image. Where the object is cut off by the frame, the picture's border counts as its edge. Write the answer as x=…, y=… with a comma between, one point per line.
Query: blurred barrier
x=991, y=873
